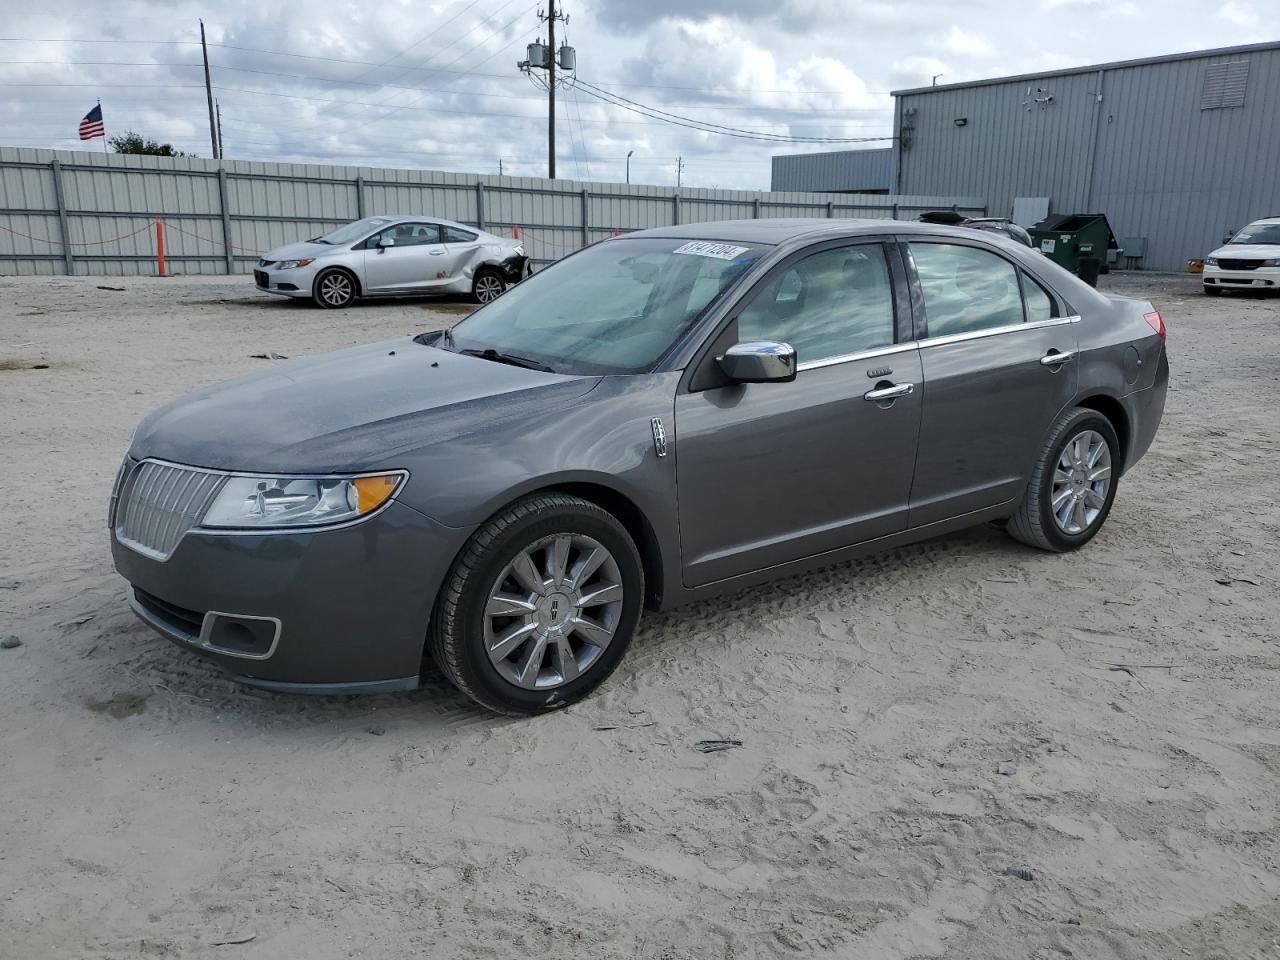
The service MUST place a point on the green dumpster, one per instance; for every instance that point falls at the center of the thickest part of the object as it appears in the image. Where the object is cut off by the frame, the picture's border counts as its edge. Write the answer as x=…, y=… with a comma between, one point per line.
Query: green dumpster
x=1077, y=241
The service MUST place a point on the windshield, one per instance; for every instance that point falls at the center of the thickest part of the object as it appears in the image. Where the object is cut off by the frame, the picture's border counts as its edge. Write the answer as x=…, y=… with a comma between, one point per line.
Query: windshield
x=1258, y=233
x=353, y=231
x=615, y=307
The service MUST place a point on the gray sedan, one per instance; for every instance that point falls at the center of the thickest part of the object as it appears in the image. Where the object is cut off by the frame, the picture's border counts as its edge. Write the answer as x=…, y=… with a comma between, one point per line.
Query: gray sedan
x=393, y=257
x=655, y=419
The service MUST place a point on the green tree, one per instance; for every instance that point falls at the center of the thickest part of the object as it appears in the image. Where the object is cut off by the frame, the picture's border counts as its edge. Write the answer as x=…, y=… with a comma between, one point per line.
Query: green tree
x=130, y=142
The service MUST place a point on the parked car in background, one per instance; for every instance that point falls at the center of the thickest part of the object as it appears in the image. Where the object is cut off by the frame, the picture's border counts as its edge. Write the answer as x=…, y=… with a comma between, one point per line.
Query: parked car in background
x=655, y=419
x=1000, y=225
x=1248, y=261
x=393, y=257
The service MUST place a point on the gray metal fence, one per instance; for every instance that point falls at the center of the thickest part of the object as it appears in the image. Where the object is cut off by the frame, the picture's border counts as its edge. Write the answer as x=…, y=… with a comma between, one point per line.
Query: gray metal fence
x=65, y=212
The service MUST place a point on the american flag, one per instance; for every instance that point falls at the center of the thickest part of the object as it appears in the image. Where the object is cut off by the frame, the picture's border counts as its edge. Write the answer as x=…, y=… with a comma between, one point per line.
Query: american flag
x=91, y=126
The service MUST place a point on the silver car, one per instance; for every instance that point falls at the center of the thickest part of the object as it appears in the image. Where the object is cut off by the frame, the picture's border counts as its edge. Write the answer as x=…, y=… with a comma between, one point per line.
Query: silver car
x=393, y=257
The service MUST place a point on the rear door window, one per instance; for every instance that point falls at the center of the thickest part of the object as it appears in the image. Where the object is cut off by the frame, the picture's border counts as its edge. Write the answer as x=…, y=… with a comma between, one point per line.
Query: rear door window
x=966, y=289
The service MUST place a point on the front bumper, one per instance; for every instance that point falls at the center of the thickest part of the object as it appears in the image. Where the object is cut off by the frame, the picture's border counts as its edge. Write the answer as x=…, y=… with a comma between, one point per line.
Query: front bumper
x=339, y=610
x=1261, y=278
x=295, y=282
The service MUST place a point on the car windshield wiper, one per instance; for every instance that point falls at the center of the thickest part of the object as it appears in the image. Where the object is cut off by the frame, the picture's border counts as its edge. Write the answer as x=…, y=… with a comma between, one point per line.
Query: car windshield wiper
x=488, y=353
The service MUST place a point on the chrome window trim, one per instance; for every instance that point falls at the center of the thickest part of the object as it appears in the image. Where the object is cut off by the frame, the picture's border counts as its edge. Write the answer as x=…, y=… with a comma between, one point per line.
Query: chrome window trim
x=996, y=331
x=860, y=355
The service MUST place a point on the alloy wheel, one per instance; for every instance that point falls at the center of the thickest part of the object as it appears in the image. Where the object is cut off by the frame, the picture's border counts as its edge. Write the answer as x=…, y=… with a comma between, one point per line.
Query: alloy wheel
x=553, y=611
x=489, y=288
x=1080, y=482
x=336, y=289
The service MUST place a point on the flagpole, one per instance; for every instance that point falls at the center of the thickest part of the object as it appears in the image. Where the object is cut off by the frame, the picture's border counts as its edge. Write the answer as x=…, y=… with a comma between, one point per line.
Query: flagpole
x=104, y=129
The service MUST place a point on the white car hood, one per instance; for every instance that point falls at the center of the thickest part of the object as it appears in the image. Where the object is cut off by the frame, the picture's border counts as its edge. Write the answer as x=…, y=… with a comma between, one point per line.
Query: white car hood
x=304, y=249
x=1248, y=251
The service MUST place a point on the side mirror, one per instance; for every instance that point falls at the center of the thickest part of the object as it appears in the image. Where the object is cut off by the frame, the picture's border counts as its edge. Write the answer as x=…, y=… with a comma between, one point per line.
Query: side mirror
x=386, y=242
x=759, y=361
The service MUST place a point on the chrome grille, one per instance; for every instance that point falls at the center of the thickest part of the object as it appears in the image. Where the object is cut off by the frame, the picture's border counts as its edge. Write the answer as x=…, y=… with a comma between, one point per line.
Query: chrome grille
x=161, y=502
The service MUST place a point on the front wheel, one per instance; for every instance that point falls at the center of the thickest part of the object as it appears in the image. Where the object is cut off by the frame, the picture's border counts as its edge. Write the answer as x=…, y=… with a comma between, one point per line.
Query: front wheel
x=540, y=606
x=334, y=290
x=1073, y=484
x=488, y=286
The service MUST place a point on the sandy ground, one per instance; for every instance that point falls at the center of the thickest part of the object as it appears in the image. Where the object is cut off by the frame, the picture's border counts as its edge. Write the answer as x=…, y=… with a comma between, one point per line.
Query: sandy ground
x=150, y=808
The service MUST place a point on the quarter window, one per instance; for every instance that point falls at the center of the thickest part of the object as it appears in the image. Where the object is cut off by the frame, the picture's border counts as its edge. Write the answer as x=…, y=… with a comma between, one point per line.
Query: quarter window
x=455, y=235
x=829, y=304
x=1040, y=305
x=966, y=289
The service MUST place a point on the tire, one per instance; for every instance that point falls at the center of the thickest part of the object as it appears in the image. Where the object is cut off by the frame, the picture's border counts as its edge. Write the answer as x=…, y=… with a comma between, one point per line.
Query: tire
x=334, y=289
x=1035, y=523
x=524, y=678
x=1211, y=291
x=488, y=286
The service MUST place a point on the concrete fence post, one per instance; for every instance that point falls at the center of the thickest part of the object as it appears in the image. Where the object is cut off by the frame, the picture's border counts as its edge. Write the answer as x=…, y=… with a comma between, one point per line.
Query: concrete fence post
x=480, y=204
x=227, y=256
x=895, y=211
x=675, y=209
x=831, y=209
x=586, y=211
x=63, y=227
x=755, y=208
x=359, y=198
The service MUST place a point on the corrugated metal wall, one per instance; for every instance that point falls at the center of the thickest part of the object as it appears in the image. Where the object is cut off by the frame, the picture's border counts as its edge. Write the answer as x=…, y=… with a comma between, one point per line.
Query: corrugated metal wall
x=221, y=220
x=835, y=171
x=1145, y=154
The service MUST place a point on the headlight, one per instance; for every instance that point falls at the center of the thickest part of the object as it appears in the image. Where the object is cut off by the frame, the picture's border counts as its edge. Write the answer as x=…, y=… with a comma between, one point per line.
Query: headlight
x=290, y=264
x=519, y=249
x=258, y=502
x=1210, y=261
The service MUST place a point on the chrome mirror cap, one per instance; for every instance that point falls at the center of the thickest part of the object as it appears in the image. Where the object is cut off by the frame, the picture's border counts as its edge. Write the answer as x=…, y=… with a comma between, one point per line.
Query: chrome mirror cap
x=759, y=361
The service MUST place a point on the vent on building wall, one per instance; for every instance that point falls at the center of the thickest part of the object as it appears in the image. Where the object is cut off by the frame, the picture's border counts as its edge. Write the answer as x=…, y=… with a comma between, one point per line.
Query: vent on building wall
x=1224, y=85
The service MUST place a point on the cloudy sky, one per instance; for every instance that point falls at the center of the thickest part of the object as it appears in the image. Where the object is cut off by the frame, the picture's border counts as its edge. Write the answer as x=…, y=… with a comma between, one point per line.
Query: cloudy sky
x=433, y=83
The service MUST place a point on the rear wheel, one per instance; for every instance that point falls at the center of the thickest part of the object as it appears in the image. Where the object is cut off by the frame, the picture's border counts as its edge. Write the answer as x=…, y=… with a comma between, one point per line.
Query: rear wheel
x=540, y=606
x=334, y=290
x=1073, y=484
x=488, y=286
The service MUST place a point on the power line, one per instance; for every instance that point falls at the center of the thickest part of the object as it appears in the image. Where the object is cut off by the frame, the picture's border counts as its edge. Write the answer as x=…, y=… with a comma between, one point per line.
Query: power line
x=707, y=127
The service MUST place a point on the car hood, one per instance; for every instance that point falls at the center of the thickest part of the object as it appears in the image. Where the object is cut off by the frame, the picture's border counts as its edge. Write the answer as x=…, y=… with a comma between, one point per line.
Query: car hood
x=1248, y=251
x=304, y=249
x=357, y=409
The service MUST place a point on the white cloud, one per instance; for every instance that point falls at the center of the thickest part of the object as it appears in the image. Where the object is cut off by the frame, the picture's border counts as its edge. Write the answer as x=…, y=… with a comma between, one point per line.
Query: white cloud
x=962, y=43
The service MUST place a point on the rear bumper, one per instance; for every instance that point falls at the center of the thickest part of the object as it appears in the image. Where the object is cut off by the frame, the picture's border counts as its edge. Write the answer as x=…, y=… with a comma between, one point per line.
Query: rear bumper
x=343, y=610
x=1145, y=410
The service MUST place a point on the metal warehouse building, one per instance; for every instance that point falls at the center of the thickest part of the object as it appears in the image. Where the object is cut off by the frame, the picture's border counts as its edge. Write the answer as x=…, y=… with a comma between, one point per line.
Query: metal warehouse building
x=1176, y=151
x=840, y=171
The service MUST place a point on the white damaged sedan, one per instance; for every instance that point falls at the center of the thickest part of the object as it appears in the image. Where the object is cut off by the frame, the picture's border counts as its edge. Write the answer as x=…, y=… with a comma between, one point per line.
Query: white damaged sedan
x=393, y=257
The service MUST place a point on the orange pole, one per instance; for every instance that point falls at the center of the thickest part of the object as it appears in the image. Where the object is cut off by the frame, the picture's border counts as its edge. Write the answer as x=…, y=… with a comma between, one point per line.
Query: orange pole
x=160, y=247
x=515, y=232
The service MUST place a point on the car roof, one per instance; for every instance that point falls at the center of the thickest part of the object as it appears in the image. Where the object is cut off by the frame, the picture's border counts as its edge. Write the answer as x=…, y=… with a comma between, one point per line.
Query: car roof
x=394, y=218
x=781, y=230
x=1265, y=220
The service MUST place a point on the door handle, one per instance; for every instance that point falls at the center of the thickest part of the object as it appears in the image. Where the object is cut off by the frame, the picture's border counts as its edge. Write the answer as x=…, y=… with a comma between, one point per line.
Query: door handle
x=437, y=253
x=1052, y=359
x=889, y=393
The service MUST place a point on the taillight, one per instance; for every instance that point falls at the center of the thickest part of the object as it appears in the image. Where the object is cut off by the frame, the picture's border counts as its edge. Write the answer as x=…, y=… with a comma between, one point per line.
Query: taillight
x=1156, y=322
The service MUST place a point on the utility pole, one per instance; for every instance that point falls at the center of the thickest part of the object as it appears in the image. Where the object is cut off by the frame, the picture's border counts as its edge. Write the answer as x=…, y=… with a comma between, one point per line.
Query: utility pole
x=546, y=57
x=208, y=92
x=217, y=109
x=551, y=89
x=679, y=171
x=499, y=166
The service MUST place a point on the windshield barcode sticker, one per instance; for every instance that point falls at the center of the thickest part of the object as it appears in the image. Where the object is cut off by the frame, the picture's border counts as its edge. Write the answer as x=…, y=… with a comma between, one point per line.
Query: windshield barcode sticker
x=705, y=248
